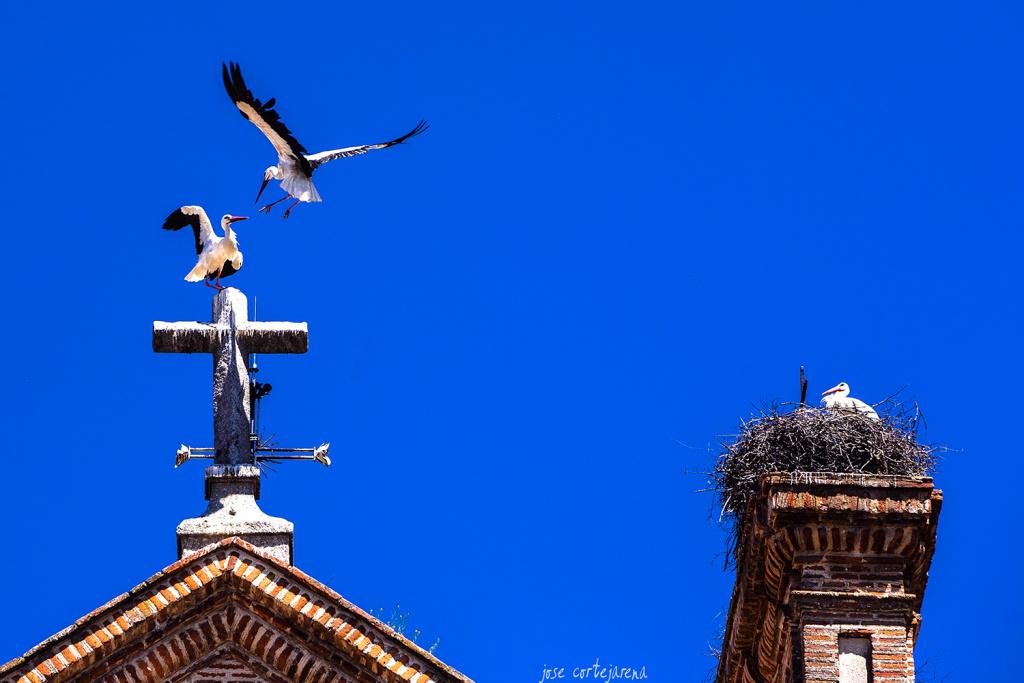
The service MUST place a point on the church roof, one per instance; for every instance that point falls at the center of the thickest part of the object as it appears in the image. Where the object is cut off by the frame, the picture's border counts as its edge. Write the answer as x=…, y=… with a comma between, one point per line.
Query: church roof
x=229, y=608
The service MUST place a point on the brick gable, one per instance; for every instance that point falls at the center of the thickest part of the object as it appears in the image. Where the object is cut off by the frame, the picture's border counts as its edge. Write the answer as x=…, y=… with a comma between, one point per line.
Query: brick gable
x=230, y=611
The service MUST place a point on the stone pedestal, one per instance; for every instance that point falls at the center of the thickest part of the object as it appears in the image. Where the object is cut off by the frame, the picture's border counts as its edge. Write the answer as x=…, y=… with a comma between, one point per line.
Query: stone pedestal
x=232, y=492
x=830, y=579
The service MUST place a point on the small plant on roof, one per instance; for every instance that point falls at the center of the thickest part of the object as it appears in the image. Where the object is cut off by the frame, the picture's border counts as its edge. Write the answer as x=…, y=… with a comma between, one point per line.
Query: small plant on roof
x=798, y=438
x=399, y=621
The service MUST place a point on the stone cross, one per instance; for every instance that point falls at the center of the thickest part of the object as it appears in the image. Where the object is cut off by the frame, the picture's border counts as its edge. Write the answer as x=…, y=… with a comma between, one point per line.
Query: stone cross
x=230, y=338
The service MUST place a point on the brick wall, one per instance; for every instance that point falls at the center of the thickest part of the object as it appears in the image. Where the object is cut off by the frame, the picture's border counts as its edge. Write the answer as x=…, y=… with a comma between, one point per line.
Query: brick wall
x=850, y=572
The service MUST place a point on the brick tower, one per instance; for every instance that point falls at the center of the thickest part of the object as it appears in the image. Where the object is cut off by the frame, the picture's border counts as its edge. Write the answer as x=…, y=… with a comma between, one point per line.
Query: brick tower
x=830, y=578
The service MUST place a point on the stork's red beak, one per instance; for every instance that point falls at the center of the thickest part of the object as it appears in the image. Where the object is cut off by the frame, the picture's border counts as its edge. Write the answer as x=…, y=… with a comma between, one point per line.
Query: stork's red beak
x=830, y=391
x=262, y=187
x=234, y=219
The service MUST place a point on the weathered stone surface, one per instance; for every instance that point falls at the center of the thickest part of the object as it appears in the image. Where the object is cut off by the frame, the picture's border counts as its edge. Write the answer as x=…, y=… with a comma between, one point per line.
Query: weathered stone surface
x=231, y=413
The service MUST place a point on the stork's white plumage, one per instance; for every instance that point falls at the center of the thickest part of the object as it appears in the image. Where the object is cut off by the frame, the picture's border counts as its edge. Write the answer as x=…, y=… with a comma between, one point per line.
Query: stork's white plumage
x=838, y=398
x=294, y=166
x=218, y=256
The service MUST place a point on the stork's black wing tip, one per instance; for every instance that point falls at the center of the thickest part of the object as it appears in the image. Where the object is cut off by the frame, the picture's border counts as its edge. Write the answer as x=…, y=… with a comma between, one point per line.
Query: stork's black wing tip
x=179, y=219
x=420, y=128
x=176, y=220
x=239, y=92
x=233, y=82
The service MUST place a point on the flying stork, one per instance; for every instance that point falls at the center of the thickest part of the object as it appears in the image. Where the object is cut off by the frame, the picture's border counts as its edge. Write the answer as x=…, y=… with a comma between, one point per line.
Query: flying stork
x=838, y=398
x=218, y=256
x=294, y=166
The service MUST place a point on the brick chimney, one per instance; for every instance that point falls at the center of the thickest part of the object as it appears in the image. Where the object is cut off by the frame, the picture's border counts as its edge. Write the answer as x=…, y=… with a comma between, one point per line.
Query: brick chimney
x=830, y=578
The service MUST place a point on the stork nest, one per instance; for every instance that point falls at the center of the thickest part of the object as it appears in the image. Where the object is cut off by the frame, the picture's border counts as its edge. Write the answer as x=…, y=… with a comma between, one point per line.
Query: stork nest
x=803, y=439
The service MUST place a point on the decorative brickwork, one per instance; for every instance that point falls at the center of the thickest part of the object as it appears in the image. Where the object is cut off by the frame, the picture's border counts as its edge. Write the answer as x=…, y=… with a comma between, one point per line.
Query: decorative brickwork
x=824, y=557
x=224, y=667
x=229, y=614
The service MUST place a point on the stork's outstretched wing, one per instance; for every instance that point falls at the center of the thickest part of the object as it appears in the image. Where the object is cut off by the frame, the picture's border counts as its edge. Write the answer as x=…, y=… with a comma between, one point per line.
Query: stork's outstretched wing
x=321, y=158
x=263, y=116
x=197, y=218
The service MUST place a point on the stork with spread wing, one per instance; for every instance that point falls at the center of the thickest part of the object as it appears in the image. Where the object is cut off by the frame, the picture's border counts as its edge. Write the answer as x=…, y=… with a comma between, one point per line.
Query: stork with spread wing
x=294, y=166
x=217, y=256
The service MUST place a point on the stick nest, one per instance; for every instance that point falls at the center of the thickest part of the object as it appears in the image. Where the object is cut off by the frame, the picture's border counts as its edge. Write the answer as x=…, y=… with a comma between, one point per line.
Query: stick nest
x=803, y=439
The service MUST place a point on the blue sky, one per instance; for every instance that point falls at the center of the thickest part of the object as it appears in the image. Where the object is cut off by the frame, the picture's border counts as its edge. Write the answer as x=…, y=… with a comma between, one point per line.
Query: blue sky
x=627, y=225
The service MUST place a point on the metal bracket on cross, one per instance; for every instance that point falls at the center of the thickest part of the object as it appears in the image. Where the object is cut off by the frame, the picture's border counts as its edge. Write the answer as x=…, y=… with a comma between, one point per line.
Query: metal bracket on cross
x=319, y=454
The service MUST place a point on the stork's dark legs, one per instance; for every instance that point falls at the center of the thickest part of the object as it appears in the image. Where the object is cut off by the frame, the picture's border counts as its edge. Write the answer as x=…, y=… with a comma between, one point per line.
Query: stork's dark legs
x=206, y=281
x=266, y=209
x=289, y=209
x=217, y=284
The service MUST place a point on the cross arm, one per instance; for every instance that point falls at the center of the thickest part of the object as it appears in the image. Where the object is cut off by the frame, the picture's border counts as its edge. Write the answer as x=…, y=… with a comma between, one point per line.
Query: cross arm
x=255, y=337
x=183, y=337
x=274, y=337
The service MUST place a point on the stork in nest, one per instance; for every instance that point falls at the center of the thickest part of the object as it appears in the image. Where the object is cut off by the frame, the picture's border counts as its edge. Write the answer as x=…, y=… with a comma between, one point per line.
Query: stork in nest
x=838, y=398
